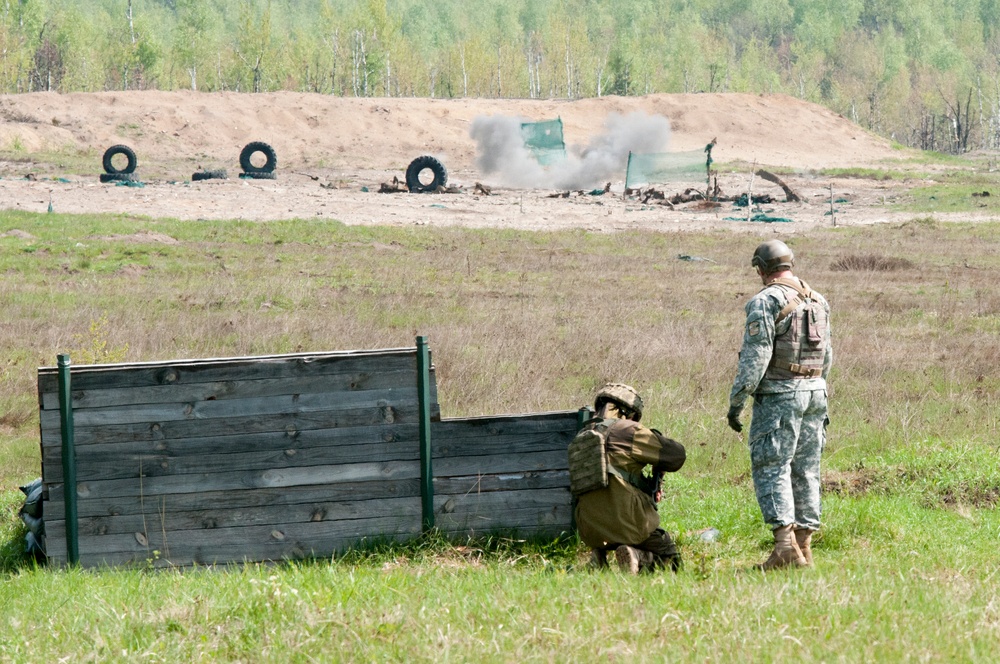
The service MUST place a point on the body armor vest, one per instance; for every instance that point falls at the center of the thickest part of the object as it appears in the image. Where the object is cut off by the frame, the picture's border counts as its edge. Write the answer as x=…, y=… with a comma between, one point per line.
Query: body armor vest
x=799, y=350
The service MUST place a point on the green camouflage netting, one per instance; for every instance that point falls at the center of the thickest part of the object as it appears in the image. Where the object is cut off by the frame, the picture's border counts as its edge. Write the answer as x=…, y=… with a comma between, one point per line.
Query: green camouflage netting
x=544, y=140
x=664, y=167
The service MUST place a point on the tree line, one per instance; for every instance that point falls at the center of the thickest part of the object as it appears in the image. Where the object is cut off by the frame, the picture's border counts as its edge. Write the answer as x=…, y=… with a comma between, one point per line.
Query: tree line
x=925, y=73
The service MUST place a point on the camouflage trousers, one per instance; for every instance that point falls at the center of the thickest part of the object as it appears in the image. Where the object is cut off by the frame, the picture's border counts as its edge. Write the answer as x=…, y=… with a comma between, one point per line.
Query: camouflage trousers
x=787, y=435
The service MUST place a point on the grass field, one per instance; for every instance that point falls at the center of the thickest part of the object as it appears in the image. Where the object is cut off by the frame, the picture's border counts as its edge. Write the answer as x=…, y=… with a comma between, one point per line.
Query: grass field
x=520, y=322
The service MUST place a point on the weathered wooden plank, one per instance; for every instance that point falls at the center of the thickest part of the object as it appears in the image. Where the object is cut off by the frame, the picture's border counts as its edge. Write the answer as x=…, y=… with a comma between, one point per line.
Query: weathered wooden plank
x=252, y=543
x=503, y=510
x=500, y=464
x=208, y=370
x=546, y=479
x=242, y=388
x=399, y=434
x=499, y=502
x=523, y=443
x=221, y=481
x=556, y=518
x=234, y=408
x=283, y=422
x=160, y=515
x=108, y=465
x=243, y=499
x=463, y=535
x=194, y=556
x=462, y=428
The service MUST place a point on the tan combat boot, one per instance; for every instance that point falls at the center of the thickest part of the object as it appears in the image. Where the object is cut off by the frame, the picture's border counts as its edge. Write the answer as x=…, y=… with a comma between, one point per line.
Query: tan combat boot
x=786, y=552
x=803, y=538
x=628, y=559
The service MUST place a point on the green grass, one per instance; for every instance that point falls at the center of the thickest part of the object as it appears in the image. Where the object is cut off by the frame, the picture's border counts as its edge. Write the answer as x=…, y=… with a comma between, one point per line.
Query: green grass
x=965, y=192
x=520, y=322
x=868, y=173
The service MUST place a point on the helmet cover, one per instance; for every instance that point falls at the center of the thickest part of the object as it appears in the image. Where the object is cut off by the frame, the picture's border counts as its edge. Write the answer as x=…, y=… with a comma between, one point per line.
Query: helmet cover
x=621, y=395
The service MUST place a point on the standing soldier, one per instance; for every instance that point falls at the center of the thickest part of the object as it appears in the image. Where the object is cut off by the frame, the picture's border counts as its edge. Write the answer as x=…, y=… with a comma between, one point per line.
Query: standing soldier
x=784, y=362
x=616, y=508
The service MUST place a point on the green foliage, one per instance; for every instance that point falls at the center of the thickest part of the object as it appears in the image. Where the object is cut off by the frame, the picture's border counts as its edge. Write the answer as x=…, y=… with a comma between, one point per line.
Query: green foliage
x=898, y=68
x=95, y=347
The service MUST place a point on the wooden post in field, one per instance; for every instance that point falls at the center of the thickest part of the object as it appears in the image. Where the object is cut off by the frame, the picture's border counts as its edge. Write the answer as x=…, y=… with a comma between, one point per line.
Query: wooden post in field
x=68, y=460
x=833, y=215
x=424, y=408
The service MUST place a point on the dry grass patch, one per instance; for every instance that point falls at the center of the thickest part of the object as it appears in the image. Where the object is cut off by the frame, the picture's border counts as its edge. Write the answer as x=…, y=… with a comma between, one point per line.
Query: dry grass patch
x=871, y=263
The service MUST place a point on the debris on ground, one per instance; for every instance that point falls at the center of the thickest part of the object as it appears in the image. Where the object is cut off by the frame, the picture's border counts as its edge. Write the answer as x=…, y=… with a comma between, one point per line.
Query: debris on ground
x=449, y=190
x=690, y=195
x=559, y=194
x=601, y=192
x=394, y=187
x=695, y=259
x=978, y=194
x=761, y=199
x=790, y=196
x=483, y=189
x=762, y=217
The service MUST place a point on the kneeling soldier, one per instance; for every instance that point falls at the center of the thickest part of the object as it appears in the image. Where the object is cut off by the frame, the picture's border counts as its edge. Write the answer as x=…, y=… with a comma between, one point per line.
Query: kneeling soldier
x=616, y=507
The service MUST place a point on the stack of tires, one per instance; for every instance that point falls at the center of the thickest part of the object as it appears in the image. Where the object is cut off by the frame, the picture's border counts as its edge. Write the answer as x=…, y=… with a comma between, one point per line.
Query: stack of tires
x=31, y=515
x=114, y=174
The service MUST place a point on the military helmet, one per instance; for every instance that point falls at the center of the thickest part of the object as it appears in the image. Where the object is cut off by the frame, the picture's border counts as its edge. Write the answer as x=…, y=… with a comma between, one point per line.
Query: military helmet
x=772, y=256
x=620, y=395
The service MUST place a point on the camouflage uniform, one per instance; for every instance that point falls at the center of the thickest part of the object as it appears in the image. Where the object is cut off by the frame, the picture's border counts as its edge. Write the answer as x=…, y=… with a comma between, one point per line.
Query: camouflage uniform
x=624, y=513
x=788, y=429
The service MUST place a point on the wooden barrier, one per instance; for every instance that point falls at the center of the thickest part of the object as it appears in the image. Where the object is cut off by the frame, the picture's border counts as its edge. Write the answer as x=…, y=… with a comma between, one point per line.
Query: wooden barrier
x=503, y=473
x=284, y=457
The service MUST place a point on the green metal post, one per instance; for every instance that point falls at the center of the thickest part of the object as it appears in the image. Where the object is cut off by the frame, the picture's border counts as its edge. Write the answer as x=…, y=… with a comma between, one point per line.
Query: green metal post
x=68, y=461
x=424, y=402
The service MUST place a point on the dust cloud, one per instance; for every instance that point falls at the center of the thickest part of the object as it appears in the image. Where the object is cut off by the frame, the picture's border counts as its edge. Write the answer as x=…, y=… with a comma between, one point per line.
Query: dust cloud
x=501, y=153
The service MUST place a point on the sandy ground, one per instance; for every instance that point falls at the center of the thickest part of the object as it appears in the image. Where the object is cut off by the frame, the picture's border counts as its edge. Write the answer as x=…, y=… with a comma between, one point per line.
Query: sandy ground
x=329, y=149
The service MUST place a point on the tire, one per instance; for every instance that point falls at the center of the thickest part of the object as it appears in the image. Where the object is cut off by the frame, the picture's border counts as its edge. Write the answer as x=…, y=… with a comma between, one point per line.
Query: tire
x=418, y=166
x=257, y=175
x=113, y=152
x=250, y=150
x=210, y=175
x=118, y=177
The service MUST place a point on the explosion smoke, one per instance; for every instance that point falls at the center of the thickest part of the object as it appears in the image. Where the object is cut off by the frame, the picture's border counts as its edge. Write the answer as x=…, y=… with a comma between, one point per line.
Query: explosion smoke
x=500, y=151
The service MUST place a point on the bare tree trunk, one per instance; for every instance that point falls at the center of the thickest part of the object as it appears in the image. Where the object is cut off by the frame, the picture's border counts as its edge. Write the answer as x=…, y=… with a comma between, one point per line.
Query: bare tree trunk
x=531, y=76
x=358, y=57
x=465, y=76
x=569, y=71
x=128, y=15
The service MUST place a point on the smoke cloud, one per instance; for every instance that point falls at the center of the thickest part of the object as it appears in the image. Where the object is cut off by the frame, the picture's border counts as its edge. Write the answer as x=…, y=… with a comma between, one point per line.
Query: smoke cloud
x=501, y=154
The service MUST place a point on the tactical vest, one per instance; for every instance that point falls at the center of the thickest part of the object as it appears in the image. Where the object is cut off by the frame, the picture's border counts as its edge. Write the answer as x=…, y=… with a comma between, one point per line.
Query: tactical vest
x=799, y=350
x=588, y=461
x=588, y=458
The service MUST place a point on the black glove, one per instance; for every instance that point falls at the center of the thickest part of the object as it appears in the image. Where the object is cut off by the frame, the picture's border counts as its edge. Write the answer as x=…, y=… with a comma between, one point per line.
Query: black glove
x=733, y=417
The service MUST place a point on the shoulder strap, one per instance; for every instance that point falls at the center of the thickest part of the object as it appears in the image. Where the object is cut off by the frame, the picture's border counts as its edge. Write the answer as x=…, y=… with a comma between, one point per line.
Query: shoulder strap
x=803, y=292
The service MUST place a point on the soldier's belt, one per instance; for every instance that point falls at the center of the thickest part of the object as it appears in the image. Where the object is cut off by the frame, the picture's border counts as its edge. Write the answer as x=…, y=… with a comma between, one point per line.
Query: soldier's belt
x=799, y=370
